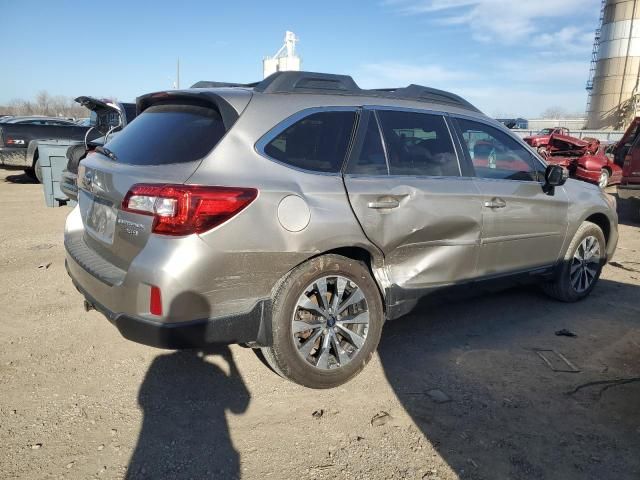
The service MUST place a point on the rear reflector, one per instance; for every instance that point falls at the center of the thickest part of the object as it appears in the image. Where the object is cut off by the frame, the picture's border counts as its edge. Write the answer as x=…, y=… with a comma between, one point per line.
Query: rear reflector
x=187, y=209
x=155, y=302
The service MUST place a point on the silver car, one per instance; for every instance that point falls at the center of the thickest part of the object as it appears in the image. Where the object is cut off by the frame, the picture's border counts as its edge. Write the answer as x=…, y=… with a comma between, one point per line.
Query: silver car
x=297, y=214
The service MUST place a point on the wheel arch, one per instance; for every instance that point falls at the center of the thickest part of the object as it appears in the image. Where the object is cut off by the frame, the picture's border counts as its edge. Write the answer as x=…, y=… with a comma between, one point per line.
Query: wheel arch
x=32, y=153
x=369, y=255
x=602, y=221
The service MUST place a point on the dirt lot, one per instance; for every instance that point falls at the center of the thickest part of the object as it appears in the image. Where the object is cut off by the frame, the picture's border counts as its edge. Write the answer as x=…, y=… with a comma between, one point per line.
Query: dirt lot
x=78, y=401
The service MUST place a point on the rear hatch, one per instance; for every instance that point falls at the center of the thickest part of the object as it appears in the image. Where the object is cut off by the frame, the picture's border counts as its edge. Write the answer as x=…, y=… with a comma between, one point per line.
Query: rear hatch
x=164, y=145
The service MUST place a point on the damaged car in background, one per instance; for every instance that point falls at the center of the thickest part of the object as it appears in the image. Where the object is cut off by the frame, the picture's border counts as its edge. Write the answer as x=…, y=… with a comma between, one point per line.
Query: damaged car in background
x=19, y=137
x=627, y=153
x=540, y=141
x=107, y=119
x=586, y=159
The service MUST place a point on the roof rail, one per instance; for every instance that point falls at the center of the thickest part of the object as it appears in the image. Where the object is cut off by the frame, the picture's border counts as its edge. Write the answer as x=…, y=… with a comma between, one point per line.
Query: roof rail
x=328, y=83
x=307, y=82
x=427, y=94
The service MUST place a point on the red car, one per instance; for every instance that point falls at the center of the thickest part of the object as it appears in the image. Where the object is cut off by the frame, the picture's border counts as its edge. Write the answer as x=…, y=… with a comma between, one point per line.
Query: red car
x=627, y=153
x=584, y=158
x=541, y=139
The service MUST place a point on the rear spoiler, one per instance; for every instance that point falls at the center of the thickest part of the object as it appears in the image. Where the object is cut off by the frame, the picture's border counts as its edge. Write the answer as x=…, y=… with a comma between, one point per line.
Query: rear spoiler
x=210, y=84
x=227, y=112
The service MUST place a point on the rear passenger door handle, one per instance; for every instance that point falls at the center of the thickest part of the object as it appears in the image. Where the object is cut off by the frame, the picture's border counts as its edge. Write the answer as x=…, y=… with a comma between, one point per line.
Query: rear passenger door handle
x=386, y=203
x=495, y=203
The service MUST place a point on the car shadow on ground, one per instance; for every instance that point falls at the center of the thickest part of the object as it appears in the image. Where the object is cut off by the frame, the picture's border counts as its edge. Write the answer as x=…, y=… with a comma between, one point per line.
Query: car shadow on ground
x=184, y=399
x=628, y=211
x=20, y=178
x=464, y=366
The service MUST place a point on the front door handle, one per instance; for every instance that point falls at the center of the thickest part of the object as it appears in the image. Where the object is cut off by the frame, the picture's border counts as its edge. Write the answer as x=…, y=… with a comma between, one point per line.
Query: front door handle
x=384, y=203
x=495, y=203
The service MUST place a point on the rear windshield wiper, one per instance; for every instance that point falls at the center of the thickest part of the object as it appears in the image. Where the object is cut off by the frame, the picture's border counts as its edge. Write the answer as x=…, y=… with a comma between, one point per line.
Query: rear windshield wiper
x=107, y=152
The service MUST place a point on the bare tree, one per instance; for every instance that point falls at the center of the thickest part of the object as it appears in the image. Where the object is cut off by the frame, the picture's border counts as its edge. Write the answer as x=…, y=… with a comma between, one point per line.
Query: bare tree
x=554, y=112
x=45, y=104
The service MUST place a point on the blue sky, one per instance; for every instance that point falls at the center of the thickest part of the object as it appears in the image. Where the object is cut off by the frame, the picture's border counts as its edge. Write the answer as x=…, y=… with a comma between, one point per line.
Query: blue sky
x=509, y=57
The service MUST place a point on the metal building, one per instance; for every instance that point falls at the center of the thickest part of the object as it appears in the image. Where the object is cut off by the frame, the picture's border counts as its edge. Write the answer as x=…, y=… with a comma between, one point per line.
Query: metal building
x=285, y=59
x=614, y=88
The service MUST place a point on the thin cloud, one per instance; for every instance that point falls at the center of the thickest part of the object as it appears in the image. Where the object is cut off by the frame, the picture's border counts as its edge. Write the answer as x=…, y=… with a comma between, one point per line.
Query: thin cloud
x=505, y=21
x=516, y=88
x=398, y=74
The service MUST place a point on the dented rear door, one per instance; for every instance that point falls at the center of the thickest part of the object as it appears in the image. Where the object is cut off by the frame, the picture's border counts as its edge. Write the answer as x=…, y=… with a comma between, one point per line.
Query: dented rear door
x=411, y=199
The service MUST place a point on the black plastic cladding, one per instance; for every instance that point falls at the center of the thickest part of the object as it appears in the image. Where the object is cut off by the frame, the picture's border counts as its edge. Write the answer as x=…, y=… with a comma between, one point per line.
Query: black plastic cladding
x=328, y=83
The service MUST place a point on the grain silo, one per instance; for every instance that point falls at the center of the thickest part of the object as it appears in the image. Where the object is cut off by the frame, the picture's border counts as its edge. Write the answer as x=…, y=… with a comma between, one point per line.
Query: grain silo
x=614, y=89
x=285, y=59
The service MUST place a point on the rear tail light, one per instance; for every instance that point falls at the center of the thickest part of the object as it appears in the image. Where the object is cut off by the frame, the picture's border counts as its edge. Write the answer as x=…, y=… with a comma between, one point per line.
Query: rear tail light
x=187, y=209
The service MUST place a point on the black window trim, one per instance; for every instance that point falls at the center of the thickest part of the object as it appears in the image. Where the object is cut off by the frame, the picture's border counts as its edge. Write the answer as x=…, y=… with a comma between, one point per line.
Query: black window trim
x=372, y=111
x=262, y=143
x=498, y=126
x=366, y=116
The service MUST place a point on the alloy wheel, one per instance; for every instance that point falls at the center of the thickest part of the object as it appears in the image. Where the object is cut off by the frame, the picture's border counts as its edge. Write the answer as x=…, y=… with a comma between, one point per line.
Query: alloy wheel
x=330, y=322
x=584, y=264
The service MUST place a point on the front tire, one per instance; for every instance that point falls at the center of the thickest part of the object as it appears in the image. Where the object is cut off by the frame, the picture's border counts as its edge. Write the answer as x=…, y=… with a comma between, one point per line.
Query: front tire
x=327, y=318
x=37, y=168
x=581, y=266
x=603, y=181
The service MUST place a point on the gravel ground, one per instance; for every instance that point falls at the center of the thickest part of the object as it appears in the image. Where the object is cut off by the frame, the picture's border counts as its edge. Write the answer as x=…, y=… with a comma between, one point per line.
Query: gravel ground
x=456, y=391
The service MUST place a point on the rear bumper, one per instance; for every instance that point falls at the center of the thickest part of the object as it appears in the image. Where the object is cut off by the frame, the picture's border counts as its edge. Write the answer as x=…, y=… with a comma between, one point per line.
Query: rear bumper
x=13, y=157
x=249, y=327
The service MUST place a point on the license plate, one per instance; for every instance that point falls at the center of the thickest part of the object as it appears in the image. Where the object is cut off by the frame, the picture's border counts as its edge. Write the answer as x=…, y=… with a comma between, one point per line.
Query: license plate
x=99, y=217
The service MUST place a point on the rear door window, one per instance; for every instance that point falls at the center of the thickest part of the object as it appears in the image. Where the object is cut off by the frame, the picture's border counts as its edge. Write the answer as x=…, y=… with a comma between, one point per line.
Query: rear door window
x=165, y=134
x=497, y=156
x=318, y=142
x=418, y=144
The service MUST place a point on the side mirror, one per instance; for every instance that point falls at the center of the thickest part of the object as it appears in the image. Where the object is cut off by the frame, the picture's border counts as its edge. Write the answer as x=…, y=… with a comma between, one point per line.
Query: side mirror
x=554, y=176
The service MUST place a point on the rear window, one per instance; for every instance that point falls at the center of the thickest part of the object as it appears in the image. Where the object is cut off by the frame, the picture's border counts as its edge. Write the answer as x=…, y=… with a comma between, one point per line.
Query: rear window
x=165, y=134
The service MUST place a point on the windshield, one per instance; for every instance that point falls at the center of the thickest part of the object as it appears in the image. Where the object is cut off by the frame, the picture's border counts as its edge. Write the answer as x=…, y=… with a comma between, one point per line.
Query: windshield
x=545, y=131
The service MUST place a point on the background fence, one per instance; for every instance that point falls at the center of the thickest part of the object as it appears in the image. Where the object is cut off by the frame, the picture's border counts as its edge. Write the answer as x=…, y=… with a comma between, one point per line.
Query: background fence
x=602, y=135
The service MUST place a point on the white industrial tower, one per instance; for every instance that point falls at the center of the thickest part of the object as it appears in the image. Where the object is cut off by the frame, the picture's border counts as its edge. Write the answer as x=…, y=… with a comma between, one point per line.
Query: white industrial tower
x=285, y=59
x=614, y=80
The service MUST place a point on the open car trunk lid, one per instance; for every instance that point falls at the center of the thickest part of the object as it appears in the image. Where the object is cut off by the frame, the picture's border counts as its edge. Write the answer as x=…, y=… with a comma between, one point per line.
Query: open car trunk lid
x=164, y=145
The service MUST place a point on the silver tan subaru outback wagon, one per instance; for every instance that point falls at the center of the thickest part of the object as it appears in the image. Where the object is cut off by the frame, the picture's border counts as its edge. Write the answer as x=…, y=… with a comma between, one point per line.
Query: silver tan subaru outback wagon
x=299, y=213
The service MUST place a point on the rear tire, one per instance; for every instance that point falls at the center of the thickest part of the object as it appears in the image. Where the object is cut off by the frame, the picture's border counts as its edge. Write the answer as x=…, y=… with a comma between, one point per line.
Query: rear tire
x=342, y=333
x=581, y=266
